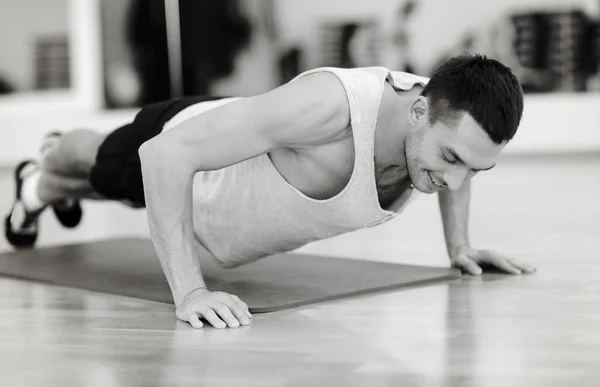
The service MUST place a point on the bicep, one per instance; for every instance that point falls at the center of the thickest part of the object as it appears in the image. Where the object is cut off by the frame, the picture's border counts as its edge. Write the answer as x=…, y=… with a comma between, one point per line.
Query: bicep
x=300, y=113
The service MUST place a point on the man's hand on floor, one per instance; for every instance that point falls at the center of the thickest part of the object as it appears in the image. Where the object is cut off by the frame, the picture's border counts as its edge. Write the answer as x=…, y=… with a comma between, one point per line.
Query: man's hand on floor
x=220, y=309
x=470, y=260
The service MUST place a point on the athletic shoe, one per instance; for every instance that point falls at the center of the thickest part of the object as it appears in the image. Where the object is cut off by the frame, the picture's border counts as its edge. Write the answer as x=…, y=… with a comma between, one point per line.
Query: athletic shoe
x=21, y=226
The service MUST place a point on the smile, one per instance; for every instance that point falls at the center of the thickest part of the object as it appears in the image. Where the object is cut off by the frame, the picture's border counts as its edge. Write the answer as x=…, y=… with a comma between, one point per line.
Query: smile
x=434, y=181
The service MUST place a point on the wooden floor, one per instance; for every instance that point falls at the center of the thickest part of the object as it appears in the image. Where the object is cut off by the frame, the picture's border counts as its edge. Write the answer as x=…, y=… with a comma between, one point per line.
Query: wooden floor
x=540, y=330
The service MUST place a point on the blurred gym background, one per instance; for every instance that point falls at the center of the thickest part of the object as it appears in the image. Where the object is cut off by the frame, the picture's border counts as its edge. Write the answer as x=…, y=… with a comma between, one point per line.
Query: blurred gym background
x=68, y=64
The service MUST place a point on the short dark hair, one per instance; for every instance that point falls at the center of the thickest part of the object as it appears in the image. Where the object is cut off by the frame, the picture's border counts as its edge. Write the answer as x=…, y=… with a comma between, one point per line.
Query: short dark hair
x=482, y=87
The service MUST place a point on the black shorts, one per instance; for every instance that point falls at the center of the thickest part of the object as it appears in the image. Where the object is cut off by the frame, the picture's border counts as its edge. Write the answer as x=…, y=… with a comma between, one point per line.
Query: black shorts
x=117, y=173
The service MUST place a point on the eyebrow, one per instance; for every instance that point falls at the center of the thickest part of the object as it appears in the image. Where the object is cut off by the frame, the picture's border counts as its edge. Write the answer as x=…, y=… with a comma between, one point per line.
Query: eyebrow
x=460, y=160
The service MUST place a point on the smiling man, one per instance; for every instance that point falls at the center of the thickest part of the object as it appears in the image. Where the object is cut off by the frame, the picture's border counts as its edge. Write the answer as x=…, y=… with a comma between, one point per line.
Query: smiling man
x=237, y=179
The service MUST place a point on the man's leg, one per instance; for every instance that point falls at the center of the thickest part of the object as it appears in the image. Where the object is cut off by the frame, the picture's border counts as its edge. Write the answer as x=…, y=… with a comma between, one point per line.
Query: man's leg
x=60, y=179
x=86, y=164
x=66, y=161
x=72, y=154
x=53, y=188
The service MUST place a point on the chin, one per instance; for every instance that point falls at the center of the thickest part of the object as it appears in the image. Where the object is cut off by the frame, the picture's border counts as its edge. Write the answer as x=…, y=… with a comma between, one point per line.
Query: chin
x=422, y=183
x=418, y=175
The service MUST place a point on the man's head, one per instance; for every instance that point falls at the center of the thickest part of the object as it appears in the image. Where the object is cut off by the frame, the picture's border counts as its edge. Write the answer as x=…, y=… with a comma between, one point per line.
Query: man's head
x=464, y=117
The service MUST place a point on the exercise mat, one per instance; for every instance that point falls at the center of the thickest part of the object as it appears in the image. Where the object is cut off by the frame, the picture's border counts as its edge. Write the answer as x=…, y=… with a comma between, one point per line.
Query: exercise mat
x=130, y=267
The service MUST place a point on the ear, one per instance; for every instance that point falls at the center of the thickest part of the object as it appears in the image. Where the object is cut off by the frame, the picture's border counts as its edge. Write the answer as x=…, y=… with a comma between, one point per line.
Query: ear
x=418, y=110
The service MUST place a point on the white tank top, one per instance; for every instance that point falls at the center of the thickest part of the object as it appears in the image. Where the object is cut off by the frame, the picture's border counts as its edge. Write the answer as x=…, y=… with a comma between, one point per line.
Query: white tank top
x=248, y=210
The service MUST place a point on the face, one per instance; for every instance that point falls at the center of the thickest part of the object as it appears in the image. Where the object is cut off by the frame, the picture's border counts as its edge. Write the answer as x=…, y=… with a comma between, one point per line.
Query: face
x=444, y=156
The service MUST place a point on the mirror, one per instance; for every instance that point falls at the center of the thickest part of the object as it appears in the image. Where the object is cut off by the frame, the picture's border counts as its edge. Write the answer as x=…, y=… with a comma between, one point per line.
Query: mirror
x=49, y=57
x=34, y=46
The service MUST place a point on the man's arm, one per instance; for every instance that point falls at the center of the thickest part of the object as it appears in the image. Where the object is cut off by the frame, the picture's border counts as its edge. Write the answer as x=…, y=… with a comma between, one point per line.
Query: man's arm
x=454, y=207
x=306, y=111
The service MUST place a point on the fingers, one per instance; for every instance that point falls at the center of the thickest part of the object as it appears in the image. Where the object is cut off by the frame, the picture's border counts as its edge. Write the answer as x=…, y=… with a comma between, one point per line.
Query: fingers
x=238, y=311
x=225, y=313
x=194, y=320
x=470, y=262
x=242, y=305
x=500, y=262
x=468, y=266
x=525, y=268
x=220, y=309
x=505, y=265
x=214, y=320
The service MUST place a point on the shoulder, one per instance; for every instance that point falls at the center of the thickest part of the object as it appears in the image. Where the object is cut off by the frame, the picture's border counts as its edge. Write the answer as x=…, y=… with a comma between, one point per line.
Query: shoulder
x=309, y=110
x=323, y=92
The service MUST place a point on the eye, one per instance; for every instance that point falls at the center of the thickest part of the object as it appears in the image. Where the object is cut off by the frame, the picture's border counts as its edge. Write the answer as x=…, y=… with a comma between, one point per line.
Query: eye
x=448, y=160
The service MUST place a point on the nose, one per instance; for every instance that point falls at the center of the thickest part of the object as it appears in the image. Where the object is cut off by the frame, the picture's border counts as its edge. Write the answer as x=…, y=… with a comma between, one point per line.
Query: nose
x=455, y=178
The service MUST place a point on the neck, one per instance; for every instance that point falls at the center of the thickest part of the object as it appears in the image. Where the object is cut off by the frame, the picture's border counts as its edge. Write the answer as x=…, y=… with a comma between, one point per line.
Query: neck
x=393, y=128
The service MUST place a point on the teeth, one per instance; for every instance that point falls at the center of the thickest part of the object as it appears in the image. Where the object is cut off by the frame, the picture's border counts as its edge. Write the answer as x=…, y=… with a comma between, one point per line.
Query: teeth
x=434, y=181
